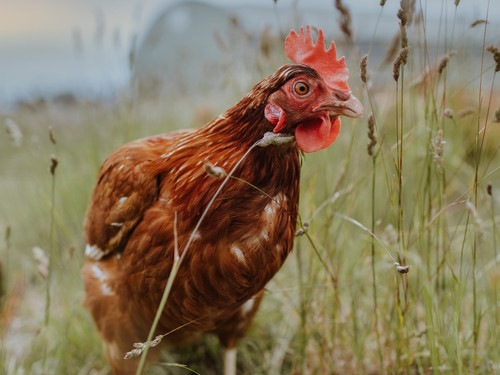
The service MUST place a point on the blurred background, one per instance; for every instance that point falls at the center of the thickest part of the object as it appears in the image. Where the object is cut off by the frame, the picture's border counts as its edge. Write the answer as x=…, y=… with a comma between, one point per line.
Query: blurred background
x=96, y=48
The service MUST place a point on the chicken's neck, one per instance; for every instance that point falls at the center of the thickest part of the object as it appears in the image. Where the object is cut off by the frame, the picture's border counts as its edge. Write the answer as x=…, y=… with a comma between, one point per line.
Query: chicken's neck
x=236, y=131
x=243, y=124
x=262, y=174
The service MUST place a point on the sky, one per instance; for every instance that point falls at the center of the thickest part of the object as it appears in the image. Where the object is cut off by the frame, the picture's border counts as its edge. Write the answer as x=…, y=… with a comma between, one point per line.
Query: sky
x=51, y=46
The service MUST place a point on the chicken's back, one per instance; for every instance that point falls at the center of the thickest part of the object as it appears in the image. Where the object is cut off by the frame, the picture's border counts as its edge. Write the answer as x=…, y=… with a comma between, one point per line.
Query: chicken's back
x=126, y=186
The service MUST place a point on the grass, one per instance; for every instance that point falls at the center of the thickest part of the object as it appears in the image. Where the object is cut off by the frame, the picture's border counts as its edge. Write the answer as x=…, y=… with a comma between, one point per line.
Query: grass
x=338, y=305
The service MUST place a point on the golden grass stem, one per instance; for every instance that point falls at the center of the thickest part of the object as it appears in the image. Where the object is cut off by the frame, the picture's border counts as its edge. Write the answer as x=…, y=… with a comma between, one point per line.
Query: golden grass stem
x=478, y=150
x=302, y=311
x=4, y=287
x=50, y=269
x=372, y=130
x=374, y=278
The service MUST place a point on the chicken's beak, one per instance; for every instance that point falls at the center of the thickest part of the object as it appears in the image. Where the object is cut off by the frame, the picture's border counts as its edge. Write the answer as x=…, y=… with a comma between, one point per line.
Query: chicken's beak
x=350, y=107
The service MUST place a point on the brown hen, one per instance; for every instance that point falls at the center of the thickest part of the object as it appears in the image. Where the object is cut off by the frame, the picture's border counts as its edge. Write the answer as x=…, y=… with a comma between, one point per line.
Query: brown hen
x=151, y=193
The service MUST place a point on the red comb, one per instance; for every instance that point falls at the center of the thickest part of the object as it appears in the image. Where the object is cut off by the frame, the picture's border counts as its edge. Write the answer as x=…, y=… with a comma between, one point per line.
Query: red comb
x=301, y=49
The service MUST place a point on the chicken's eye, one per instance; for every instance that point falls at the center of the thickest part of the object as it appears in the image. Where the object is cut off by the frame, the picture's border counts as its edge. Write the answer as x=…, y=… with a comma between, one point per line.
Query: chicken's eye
x=301, y=88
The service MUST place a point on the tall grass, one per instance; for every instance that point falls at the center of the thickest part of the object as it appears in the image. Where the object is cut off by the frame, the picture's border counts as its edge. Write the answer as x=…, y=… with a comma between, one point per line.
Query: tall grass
x=338, y=305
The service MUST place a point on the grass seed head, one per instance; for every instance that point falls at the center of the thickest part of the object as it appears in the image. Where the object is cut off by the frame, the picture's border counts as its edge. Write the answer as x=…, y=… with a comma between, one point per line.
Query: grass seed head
x=497, y=116
x=382, y=3
x=133, y=353
x=478, y=22
x=438, y=148
x=401, y=59
x=443, y=62
x=448, y=112
x=303, y=230
x=362, y=65
x=42, y=262
x=213, y=171
x=496, y=56
x=402, y=269
x=371, y=134
x=404, y=37
x=13, y=132
x=345, y=20
x=139, y=347
x=271, y=138
x=466, y=111
x=405, y=15
x=157, y=340
x=53, y=164
x=51, y=135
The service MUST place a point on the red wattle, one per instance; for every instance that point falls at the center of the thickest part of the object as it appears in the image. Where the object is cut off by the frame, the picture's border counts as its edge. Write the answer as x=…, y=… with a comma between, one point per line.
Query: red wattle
x=317, y=134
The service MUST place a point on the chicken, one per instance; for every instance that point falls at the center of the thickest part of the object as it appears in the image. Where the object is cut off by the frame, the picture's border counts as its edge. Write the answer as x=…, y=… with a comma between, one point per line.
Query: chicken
x=151, y=194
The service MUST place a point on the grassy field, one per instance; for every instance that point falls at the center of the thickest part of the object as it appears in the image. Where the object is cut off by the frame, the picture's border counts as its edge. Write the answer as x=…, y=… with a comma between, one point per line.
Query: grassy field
x=429, y=192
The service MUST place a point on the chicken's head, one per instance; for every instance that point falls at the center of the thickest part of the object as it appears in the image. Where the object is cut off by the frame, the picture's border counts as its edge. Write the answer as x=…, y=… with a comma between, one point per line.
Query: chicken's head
x=314, y=94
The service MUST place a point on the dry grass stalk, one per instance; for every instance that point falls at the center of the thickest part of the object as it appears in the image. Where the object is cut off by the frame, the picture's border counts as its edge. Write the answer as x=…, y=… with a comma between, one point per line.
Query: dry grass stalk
x=8, y=232
x=3, y=274
x=418, y=18
x=371, y=134
x=400, y=60
x=393, y=49
x=362, y=65
x=443, y=61
x=496, y=56
x=266, y=39
x=220, y=42
x=345, y=20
